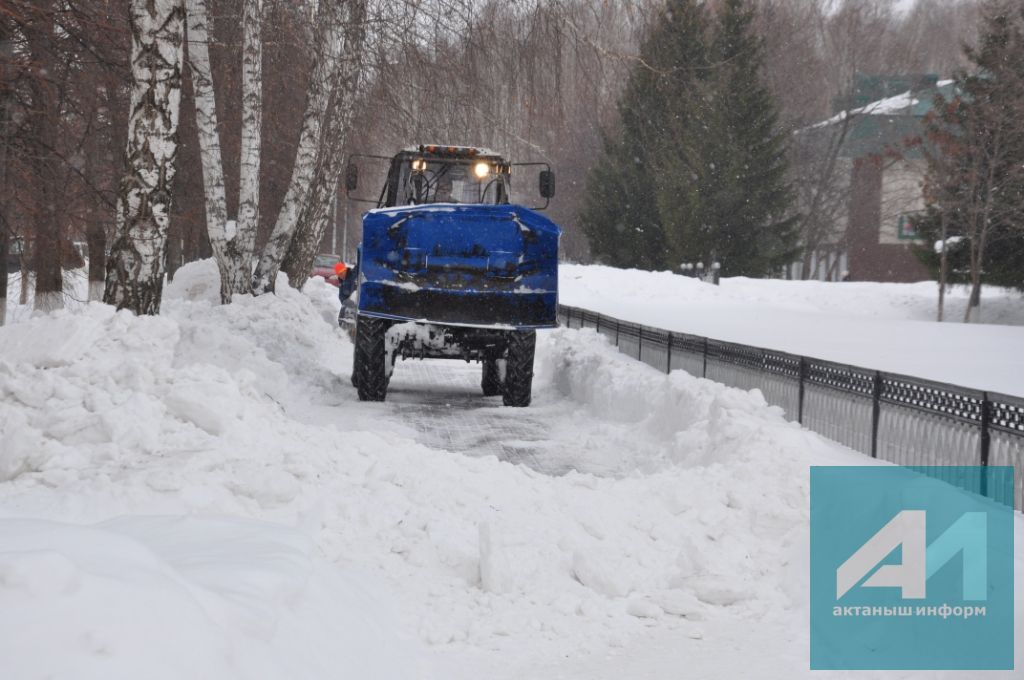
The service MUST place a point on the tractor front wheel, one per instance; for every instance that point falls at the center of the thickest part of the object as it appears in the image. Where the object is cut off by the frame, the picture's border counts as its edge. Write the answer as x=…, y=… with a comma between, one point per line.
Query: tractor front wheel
x=369, y=372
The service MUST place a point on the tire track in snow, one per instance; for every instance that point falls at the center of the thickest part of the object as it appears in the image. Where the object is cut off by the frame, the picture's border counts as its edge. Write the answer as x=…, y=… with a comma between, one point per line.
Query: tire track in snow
x=443, y=401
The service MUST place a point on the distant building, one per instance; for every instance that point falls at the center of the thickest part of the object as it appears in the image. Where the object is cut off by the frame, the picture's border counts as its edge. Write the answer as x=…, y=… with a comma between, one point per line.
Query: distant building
x=876, y=230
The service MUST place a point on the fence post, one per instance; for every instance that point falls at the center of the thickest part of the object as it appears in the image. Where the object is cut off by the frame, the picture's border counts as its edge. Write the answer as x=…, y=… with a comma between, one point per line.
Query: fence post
x=668, y=354
x=800, y=392
x=876, y=411
x=986, y=439
x=986, y=421
x=704, y=344
x=616, y=332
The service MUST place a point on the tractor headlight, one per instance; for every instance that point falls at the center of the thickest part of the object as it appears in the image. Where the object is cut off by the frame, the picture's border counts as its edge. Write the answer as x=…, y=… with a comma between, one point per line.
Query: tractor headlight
x=481, y=170
x=419, y=165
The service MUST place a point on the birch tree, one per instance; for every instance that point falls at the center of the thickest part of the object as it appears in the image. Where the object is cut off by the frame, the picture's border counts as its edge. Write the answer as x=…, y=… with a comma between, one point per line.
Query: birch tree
x=313, y=218
x=239, y=277
x=328, y=47
x=135, y=270
x=232, y=241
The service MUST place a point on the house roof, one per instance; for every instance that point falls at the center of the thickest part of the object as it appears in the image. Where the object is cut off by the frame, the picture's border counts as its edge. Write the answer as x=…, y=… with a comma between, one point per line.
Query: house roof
x=887, y=122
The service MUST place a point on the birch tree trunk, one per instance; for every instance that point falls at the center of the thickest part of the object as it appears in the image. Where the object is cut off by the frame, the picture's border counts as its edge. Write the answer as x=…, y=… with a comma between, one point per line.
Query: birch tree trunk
x=209, y=137
x=135, y=271
x=312, y=222
x=326, y=54
x=238, y=278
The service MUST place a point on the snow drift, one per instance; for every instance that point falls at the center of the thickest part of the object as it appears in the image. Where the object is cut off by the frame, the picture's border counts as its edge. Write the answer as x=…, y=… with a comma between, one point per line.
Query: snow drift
x=182, y=597
x=210, y=477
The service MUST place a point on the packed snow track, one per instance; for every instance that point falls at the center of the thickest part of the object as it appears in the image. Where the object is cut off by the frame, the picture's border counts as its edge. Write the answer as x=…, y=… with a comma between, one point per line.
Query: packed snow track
x=442, y=400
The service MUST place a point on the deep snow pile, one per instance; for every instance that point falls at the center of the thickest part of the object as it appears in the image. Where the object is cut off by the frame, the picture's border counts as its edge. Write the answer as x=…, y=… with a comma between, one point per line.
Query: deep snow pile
x=885, y=326
x=209, y=478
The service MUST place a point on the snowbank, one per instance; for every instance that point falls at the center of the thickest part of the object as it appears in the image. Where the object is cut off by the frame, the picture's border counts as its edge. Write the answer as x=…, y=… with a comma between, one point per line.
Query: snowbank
x=201, y=495
x=182, y=597
x=885, y=326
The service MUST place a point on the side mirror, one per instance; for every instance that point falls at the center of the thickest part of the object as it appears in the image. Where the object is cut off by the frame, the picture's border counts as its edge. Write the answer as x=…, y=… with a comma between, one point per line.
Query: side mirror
x=547, y=184
x=352, y=177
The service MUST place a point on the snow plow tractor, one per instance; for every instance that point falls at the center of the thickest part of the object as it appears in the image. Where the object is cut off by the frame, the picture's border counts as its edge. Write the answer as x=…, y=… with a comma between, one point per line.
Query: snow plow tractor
x=449, y=269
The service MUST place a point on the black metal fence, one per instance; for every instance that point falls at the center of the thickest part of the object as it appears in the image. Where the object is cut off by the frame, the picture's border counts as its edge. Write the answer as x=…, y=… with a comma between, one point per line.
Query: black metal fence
x=904, y=420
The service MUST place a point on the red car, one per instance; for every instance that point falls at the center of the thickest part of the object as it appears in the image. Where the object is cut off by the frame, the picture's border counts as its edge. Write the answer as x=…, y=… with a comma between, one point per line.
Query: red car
x=323, y=266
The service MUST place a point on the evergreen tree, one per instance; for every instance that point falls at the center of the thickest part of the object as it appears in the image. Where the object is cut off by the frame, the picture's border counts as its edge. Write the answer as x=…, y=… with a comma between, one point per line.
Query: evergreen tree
x=620, y=215
x=975, y=151
x=725, y=197
x=699, y=160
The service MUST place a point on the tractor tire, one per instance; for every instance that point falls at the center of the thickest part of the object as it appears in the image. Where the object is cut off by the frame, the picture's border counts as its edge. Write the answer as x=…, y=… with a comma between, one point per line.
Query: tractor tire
x=519, y=368
x=355, y=378
x=491, y=381
x=369, y=374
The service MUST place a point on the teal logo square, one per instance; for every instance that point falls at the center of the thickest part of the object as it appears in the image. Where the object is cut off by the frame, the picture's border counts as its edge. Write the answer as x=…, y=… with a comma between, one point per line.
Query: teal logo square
x=911, y=568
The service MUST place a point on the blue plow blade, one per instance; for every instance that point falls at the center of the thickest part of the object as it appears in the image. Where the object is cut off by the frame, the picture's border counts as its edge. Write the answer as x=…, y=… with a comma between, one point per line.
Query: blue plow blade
x=470, y=265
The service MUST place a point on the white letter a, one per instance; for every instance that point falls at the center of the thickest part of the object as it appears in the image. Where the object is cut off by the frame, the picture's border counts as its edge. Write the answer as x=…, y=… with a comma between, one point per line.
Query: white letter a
x=906, y=529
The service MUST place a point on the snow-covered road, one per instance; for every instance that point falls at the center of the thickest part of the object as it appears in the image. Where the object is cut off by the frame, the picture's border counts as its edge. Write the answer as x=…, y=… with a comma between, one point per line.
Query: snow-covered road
x=441, y=402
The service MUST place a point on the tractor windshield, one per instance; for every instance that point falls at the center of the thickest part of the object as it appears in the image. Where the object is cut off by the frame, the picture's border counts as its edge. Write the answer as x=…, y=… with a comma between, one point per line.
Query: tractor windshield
x=453, y=181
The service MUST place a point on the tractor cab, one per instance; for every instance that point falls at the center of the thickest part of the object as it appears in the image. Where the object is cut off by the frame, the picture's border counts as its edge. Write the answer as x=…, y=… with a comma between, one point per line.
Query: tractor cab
x=451, y=174
x=431, y=174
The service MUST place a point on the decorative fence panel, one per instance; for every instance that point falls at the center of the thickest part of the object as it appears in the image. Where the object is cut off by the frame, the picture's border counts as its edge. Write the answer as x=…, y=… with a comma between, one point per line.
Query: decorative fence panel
x=688, y=352
x=904, y=420
x=629, y=340
x=654, y=348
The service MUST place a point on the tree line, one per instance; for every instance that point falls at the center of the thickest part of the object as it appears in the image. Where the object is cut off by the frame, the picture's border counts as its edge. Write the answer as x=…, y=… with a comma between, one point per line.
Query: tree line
x=271, y=97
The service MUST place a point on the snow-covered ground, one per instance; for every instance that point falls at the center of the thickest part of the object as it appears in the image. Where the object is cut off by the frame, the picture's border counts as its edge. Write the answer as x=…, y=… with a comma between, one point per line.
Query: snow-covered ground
x=884, y=326
x=201, y=494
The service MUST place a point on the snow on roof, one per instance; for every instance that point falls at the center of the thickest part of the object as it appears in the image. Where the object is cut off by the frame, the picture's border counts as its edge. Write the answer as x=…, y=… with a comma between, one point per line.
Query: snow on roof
x=898, y=104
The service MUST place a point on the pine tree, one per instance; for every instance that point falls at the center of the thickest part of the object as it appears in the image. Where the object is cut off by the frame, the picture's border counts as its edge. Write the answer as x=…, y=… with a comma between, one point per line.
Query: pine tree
x=735, y=204
x=621, y=216
x=699, y=152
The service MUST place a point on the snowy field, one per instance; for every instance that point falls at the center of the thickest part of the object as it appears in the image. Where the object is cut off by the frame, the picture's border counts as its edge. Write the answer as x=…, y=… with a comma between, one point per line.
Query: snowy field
x=200, y=494
x=884, y=326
